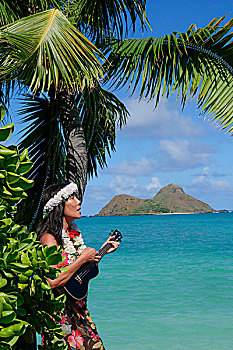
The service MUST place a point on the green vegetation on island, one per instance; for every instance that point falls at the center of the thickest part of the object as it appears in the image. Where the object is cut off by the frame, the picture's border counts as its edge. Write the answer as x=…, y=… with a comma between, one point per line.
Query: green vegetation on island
x=170, y=199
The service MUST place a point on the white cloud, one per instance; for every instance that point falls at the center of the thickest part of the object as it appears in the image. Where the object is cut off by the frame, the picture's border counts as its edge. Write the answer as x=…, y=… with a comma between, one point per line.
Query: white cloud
x=143, y=167
x=212, y=190
x=123, y=185
x=205, y=178
x=129, y=185
x=183, y=154
x=165, y=121
x=220, y=184
x=205, y=171
x=154, y=185
x=170, y=155
x=201, y=178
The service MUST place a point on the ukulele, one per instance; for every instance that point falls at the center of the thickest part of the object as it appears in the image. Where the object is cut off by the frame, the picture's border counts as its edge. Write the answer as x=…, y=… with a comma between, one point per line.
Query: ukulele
x=77, y=286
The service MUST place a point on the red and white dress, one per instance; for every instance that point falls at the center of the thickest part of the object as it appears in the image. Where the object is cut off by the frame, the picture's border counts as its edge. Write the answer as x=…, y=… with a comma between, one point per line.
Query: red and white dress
x=80, y=330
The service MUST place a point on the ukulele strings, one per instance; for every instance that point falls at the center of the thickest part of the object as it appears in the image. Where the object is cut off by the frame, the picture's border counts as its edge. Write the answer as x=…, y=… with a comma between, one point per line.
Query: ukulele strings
x=89, y=267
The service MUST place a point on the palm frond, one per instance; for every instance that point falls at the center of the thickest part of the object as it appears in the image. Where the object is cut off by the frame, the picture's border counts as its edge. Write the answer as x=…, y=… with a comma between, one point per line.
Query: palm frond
x=101, y=112
x=12, y=10
x=7, y=13
x=196, y=62
x=102, y=19
x=45, y=49
x=43, y=139
x=66, y=138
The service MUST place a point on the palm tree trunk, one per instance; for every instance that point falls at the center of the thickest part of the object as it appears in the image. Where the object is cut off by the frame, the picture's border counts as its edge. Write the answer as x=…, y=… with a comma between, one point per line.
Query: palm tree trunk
x=76, y=158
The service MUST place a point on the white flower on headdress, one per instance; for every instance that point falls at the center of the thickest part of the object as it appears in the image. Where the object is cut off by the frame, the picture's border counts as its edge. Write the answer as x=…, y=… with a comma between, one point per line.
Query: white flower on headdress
x=63, y=194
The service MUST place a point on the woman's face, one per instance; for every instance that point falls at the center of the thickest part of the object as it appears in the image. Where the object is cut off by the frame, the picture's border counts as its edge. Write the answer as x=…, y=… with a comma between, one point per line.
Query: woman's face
x=72, y=208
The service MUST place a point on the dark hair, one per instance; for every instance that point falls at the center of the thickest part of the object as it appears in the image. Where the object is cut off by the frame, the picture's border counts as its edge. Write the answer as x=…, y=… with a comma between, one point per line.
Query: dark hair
x=53, y=222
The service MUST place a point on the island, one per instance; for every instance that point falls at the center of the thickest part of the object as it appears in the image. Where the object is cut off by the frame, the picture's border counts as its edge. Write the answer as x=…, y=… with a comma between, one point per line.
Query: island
x=170, y=199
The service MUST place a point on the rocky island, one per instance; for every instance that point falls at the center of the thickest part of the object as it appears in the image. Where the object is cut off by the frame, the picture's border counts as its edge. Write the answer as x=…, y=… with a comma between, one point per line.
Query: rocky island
x=170, y=199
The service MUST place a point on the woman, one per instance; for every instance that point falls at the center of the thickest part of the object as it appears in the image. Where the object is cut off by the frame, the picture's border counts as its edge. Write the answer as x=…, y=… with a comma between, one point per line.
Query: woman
x=61, y=208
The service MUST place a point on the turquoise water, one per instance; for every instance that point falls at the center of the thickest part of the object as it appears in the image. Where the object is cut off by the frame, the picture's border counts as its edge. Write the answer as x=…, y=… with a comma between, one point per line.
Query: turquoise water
x=170, y=284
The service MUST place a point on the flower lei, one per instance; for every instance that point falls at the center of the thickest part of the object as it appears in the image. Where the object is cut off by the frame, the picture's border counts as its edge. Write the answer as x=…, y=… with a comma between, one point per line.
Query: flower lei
x=73, y=243
x=63, y=194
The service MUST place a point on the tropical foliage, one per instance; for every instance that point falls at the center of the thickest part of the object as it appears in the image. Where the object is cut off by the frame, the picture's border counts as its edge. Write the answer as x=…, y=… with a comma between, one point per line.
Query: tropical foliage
x=27, y=303
x=198, y=61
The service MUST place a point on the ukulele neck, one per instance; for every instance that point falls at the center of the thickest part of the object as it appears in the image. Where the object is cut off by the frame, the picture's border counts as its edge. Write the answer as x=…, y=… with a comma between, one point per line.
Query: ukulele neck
x=104, y=250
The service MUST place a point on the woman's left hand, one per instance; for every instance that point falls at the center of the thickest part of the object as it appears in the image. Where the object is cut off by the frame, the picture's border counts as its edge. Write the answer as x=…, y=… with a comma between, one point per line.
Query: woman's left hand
x=114, y=245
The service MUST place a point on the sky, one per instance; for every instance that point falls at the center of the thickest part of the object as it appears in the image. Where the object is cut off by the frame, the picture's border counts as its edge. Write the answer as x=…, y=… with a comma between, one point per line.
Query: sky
x=168, y=145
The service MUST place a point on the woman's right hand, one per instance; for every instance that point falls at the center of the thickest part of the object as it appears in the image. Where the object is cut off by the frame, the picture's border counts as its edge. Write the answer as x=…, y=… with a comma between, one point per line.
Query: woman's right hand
x=90, y=255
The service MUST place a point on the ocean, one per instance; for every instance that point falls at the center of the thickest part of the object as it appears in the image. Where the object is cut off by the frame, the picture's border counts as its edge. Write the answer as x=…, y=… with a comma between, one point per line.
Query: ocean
x=169, y=286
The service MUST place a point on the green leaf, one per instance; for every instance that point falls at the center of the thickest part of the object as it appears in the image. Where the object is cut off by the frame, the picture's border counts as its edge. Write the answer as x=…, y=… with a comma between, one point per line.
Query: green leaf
x=16, y=191
x=6, y=193
x=24, y=167
x=1, y=308
x=26, y=245
x=19, y=298
x=12, y=177
x=5, y=346
x=2, y=212
x=24, y=155
x=28, y=272
x=6, y=131
x=7, y=332
x=25, y=259
x=12, y=256
x=50, y=323
x=7, y=317
x=19, y=267
x=13, y=340
x=6, y=222
x=45, y=286
x=25, y=183
x=23, y=278
x=50, y=250
x=5, y=151
x=19, y=328
x=3, y=283
x=6, y=306
x=8, y=274
x=21, y=311
x=22, y=286
x=37, y=278
x=2, y=113
x=54, y=259
x=14, y=229
x=2, y=261
x=2, y=176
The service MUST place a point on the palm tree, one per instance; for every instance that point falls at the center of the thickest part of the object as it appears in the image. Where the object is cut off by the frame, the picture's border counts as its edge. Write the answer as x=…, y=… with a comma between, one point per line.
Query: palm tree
x=71, y=118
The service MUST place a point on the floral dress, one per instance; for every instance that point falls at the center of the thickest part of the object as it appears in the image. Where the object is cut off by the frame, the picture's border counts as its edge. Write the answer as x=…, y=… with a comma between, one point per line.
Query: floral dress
x=79, y=330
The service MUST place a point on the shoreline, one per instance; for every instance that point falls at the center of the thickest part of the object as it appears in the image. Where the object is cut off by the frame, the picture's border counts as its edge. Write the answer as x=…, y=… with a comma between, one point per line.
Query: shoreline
x=176, y=213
